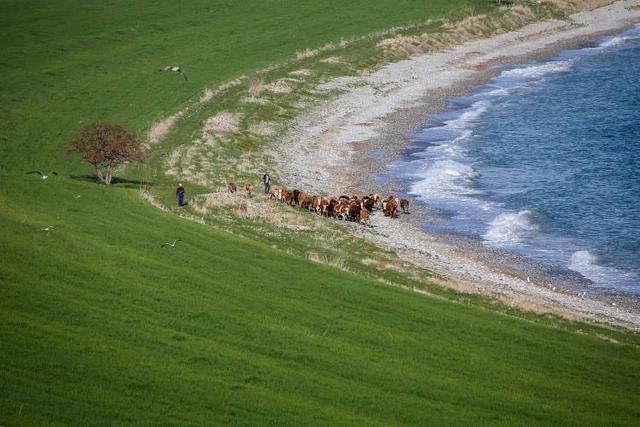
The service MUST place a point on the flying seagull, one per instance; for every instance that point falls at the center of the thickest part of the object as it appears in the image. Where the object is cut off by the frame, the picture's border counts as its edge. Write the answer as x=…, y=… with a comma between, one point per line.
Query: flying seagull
x=42, y=175
x=48, y=228
x=171, y=244
x=175, y=69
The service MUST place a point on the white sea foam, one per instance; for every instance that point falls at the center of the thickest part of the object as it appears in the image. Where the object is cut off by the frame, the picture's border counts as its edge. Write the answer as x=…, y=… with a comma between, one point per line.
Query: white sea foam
x=443, y=175
x=605, y=43
x=445, y=178
x=538, y=70
x=510, y=228
x=499, y=92
x=454, y=149
x=472, y=114
x=443, y=172
x=511, y=80
x=583, y=261
x=614, y=41
x=588, y=264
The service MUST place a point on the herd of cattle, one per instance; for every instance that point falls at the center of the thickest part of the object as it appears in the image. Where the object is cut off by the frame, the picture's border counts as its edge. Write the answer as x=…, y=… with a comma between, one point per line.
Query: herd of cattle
x=346, y=208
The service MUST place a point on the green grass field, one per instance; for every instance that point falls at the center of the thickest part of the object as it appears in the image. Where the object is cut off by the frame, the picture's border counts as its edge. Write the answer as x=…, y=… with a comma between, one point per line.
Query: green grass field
x=66, y=63
x=99, y=325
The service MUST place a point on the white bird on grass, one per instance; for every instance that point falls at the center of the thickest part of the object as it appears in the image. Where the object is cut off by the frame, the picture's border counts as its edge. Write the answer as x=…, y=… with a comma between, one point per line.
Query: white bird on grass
x=43, y=175
x=171, y=244
x=175, y=69
x=48, y=228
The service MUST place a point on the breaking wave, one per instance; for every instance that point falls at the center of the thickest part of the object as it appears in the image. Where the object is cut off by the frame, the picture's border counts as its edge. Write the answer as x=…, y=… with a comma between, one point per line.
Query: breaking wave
x=469, y=116
x=614, y=41
x=489, y=159
x=538, y=70
x=511, y=228
x=445, y=177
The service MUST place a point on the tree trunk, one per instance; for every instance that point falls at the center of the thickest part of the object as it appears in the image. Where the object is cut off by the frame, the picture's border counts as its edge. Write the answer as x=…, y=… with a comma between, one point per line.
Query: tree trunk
x=99, y=174
x=109, y=174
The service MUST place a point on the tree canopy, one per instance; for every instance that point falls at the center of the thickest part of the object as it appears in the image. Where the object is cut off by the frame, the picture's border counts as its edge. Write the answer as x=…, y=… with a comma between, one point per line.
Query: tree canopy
x=107, y=145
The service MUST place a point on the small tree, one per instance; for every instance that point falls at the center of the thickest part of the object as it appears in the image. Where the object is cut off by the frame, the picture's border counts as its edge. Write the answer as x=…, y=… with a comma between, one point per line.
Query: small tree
x=107, y=145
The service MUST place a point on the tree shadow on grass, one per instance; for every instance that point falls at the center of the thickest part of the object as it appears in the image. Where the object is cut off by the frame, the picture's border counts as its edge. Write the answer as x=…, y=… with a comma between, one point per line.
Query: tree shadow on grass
x=115, y=181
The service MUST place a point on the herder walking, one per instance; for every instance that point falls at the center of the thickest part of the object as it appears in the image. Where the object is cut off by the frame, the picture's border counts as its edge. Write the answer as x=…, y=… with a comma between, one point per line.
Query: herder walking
x=180, y=194
x=266, y=179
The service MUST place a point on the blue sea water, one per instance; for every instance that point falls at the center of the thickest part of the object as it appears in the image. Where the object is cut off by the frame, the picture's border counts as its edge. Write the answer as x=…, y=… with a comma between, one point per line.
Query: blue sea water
x=544, y=161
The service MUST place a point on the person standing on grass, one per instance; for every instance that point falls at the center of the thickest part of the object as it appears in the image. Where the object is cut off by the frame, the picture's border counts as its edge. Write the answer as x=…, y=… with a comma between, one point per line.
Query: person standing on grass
x=180, y=194
x=266, y=179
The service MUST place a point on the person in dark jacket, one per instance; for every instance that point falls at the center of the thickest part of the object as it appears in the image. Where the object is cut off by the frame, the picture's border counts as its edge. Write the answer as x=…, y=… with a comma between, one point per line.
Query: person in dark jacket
x=180, y=194
x=266, y=179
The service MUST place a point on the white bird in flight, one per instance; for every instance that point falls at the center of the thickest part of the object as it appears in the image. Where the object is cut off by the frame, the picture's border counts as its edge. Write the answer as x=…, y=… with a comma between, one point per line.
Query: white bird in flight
x=48, y=228
x=175, y=69
x=171, y=244
x=43, y=175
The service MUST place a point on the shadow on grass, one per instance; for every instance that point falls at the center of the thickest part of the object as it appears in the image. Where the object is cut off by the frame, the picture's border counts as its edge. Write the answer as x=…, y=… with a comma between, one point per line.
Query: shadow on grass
x=115, y=181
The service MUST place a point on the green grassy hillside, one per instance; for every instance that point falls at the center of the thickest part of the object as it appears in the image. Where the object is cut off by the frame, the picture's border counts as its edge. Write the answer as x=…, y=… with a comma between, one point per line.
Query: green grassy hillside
x=66, y=63
x=100, y=325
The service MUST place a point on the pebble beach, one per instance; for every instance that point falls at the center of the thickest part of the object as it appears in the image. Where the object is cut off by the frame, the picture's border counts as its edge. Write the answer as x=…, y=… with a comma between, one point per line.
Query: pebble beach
x=339, y=146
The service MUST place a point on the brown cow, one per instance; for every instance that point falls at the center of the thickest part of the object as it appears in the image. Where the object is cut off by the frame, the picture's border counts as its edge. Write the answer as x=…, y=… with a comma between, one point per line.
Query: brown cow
x=354, y=210
x=389, y=207
x=275, y=193
x=281, y=194
x=248, y=187
x=315, y=204
x=296, y=197
x=285, y=196
x=376, y=200
x=232, y=187
x=404, y=205
x=332, y=205
x=341, y=210
x=304, y=200
x=289, y=199
x=364, y=217
x=302, y=196
x=367, y=203
x=324, y=206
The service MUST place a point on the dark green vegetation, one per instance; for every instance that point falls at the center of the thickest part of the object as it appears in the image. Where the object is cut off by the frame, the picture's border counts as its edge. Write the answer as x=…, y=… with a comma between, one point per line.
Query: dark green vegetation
x=98, y=324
